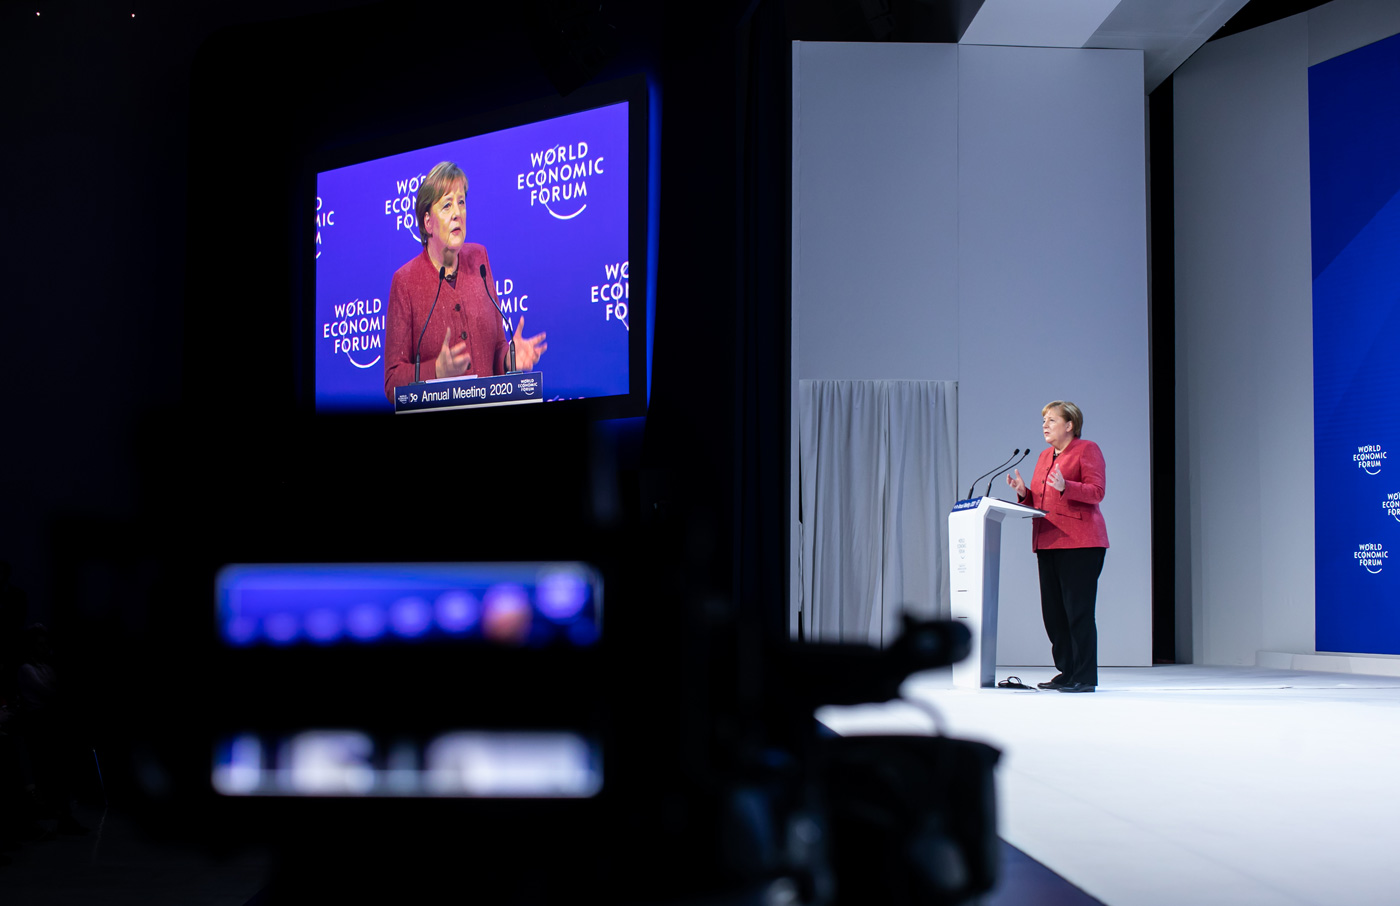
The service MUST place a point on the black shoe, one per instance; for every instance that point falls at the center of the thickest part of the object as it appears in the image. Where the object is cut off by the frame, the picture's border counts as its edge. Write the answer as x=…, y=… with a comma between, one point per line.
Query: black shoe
x=1077, y=687
x=1056, y=683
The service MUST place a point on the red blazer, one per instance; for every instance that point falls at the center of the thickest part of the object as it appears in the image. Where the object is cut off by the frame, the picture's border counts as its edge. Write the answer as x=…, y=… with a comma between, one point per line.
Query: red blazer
x=463, y=309
x=1074, y=519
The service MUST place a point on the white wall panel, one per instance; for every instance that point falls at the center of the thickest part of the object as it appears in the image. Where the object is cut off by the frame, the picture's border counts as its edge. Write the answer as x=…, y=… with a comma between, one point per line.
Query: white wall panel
x=875, y=209
x=1241, y=170
x=1053, y=288
x=995, y=201
x=874, y=220
x=1343, y=26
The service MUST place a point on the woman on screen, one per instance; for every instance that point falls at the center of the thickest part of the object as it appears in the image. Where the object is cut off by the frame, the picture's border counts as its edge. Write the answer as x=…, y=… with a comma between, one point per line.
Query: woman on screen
x=1069, y=543
x=462, y=333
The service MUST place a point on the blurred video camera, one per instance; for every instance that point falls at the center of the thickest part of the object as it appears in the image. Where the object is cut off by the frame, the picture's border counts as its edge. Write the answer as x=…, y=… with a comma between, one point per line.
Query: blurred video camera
x=391, y=719
x=391, y=728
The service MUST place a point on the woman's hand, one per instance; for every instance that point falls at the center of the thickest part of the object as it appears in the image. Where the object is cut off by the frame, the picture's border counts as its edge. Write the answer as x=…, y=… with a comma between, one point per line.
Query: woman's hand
x=527, y=349
x=1056, y=479
x=454, y=359
x=1017, y=483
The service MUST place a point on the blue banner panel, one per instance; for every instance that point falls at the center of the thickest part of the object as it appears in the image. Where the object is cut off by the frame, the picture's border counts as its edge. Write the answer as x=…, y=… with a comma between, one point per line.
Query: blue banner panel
x=1354, y=125
x=548, y=200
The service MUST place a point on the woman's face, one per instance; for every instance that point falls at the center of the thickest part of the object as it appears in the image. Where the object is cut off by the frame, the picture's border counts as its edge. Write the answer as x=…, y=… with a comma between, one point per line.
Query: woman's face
x=447, y=218
x=1057, y=431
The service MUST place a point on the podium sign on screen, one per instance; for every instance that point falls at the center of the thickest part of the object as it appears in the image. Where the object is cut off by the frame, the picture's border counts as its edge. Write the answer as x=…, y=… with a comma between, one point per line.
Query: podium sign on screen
x=471, y=392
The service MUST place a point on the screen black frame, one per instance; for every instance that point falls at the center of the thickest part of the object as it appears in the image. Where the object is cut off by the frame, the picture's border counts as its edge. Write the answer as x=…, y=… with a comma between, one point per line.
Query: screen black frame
x=636, y=92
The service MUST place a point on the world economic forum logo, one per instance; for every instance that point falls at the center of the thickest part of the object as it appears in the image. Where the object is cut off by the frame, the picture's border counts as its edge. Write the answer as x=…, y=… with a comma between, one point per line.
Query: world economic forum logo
x=1369, y=459
x=401, y=207
x=356, y=330
x=614, y=292
x=325, y=217
x=1371, y=556
x=558, y=178
x=510, y=299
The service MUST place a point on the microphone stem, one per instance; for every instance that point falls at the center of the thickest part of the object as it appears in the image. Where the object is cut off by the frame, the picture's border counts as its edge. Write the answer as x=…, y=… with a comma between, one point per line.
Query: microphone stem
x=418, y=352
x=510, y=351
x=972, y=489
x=1012, y=466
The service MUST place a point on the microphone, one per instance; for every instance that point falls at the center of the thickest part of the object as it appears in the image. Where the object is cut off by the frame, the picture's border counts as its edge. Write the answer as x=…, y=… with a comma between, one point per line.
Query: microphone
x=510, y=354
x=973, y=488
x=418, y=354
x=1007, y=469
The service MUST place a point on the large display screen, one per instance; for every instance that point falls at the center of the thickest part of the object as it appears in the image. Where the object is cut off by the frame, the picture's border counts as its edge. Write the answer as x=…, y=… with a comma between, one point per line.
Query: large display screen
x=548, y=202
x=1354, y=123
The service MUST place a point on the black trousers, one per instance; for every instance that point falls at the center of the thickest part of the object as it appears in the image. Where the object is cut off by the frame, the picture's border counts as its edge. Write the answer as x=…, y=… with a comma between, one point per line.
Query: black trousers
x=1069, y=585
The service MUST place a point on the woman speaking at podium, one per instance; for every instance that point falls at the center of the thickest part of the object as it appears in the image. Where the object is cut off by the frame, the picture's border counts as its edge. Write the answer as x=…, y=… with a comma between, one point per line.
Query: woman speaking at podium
x=1069, y=542
x=442, y=296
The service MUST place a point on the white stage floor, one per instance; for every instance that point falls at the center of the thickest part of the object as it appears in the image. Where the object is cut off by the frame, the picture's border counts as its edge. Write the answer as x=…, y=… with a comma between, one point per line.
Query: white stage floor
x=1187, y=785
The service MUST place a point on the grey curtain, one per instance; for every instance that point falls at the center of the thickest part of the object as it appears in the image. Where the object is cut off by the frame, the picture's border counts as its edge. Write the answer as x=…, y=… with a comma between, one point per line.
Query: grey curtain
x=877, y=467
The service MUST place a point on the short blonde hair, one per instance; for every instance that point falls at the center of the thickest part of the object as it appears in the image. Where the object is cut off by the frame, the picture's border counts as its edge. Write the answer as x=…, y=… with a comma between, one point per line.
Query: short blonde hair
x=437, y=183
x=1069, y=412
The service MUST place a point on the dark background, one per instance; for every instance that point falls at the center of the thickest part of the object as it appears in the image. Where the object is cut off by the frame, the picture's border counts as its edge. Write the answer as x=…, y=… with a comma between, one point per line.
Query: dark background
x=150, y=293
x=151, y=223
x=151, y=218
x=151, y=288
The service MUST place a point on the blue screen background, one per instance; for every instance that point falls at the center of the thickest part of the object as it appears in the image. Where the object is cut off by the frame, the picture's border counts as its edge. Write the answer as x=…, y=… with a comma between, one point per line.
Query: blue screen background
x=560, y=264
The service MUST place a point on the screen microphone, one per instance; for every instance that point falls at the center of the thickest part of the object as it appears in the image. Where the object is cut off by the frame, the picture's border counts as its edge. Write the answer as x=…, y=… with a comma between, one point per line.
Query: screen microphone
x=510, y=353
x=418, y=353
x=1006, y=469
x=973, y=488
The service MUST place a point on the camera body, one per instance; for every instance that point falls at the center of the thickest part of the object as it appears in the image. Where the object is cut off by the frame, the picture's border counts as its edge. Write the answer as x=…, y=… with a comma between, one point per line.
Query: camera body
x=674, y=751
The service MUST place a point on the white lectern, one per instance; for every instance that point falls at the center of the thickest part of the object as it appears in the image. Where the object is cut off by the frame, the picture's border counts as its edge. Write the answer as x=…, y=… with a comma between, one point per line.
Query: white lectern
x=974, y=559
